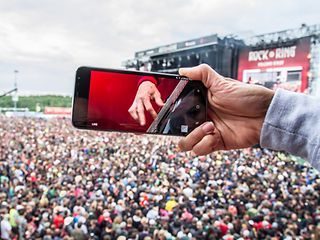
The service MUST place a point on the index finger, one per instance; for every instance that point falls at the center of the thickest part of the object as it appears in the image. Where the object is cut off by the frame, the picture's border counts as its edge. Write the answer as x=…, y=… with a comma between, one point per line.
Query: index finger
x=203, y=72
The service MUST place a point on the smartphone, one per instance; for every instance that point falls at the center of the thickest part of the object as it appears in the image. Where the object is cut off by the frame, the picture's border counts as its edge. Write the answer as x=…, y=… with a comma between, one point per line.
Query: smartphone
x=138, y=102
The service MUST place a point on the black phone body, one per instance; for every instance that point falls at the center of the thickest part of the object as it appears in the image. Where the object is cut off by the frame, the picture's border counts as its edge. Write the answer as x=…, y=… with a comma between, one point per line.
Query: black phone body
x=103, y=97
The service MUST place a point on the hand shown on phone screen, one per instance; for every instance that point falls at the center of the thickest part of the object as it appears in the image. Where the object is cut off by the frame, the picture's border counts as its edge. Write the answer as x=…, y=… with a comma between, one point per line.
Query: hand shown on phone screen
x=147, y=92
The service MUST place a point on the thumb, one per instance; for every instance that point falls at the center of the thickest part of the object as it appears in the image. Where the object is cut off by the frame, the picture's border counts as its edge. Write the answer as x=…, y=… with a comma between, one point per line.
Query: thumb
x=202, y=72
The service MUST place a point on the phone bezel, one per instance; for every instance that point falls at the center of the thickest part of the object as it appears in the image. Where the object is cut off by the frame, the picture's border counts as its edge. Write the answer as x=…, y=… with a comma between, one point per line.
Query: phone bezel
x=82, y=83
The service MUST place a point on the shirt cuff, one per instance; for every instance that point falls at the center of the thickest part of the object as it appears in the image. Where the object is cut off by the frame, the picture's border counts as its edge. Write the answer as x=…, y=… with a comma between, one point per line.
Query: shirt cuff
x=291, y=125
x=280, y=130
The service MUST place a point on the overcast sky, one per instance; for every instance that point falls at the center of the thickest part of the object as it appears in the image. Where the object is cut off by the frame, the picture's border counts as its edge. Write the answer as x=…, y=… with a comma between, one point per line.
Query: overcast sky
x=47, y=40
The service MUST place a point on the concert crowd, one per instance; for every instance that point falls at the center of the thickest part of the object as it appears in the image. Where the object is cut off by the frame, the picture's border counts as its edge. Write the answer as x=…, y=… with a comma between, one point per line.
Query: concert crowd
x=57, y=182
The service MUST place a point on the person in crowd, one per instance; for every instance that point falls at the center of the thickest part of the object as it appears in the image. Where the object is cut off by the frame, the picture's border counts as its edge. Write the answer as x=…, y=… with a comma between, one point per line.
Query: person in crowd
x=5, y=228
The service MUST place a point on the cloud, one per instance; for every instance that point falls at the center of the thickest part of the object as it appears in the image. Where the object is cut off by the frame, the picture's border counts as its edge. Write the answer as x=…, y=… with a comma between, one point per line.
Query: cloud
x=47, y=40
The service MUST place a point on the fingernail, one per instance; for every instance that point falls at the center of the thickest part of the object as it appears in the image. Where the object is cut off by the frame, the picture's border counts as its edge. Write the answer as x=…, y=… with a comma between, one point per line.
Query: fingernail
x=181, y=70
x=208, y=127
x=193, y=153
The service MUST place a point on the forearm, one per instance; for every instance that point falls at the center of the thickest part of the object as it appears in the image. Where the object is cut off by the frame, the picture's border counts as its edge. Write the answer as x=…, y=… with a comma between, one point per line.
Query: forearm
x=292, y=124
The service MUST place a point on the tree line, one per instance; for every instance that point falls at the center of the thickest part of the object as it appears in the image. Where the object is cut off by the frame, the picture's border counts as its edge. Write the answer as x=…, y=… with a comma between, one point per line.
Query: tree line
x=31, y=102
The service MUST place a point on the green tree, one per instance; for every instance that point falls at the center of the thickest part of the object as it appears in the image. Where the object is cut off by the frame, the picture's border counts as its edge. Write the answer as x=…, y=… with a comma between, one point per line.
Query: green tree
x=32, y=101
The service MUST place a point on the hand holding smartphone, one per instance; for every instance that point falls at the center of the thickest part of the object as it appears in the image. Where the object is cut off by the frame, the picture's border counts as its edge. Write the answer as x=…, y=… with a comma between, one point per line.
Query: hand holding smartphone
x=139, y=102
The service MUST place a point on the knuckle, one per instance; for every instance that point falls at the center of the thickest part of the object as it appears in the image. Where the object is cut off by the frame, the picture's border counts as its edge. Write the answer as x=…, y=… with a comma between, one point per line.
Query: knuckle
x=140, y=111
x=181, y=145
x=145, y=98
x=196, y=151
x=204, y=66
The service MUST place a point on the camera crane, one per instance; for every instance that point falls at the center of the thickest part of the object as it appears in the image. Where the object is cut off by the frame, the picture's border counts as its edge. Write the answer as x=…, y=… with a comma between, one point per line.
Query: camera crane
x=7, y=93
x=14, y=90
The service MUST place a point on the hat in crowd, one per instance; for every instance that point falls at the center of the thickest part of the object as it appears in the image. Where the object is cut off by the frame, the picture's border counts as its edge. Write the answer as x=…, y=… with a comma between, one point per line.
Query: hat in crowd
x=152, y=222
x=19, y=207
x=68, y=220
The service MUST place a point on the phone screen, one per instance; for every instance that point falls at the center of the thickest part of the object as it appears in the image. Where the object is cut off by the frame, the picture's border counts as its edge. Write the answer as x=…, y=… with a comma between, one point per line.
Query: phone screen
x=128, y=101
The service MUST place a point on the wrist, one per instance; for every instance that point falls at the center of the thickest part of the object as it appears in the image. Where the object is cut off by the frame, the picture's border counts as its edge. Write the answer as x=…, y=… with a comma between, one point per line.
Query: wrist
x=148, y=79
x=266, y=101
